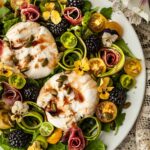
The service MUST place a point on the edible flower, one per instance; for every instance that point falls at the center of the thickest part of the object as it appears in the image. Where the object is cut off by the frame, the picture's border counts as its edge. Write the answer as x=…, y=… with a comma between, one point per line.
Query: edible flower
x=19, y=109
x=51, y=13
x=104, y=88
x=108, y=39
x=35, y=146
x=5, y=70
x=81, y=66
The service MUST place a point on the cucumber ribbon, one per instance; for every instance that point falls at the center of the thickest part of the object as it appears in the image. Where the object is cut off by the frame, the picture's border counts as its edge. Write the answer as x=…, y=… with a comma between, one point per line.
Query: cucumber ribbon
x=34, y=122
x=91, y=127
x=33, y=119
x=80, y=53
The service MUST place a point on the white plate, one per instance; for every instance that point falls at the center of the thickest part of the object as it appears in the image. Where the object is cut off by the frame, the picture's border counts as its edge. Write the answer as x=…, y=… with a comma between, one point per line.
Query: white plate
x=136, y=95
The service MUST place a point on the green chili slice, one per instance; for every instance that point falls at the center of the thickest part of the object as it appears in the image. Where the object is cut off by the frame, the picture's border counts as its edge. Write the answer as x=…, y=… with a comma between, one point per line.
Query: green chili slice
x=17, y=81
x=127, y=81
x=68, y=40
x=91, y=127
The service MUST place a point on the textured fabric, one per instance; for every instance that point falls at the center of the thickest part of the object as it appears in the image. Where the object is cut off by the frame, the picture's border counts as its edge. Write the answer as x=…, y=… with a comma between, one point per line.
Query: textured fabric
x=139, y=136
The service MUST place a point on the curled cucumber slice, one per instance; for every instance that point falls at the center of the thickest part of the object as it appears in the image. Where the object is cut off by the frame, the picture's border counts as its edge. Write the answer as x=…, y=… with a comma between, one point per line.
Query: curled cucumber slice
x=91, y=127
x=35, y=107
x=69, y=57
x=30, y=122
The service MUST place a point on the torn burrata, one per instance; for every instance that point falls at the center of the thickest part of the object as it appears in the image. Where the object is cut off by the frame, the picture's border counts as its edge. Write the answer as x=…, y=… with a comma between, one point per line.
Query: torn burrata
x=67, y=98
x=31, y=48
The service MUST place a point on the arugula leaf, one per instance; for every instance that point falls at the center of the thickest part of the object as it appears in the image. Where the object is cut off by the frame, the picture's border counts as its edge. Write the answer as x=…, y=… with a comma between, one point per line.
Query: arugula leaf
x=119, y=121
x=59, y=146
x=3, y=11
x=106, y=127
x=96, y=145
x=107, y=12
x=123, y=45
x=9, y=23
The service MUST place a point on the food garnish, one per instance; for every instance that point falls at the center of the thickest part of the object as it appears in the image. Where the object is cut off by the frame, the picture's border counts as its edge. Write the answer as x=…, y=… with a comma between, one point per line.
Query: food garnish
x=65, y=73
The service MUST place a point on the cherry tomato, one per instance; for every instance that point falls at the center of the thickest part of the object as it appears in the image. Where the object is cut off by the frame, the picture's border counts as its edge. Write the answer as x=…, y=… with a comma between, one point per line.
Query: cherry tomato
x=112, y=25
x=97, y=66
x=106, y=111
x=132, y=67
x=97, y=22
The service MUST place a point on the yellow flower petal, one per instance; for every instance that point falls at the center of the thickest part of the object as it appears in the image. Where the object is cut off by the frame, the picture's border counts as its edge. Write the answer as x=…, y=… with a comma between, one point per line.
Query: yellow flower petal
x=79, y=72
x=46, y=15
x=55, y=17
x=109, y=89
x=104, y=95
x=50, y=6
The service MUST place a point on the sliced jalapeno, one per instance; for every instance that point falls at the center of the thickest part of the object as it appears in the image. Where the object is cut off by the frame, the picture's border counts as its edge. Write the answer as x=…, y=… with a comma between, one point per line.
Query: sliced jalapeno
x=127, y=81
x=68, y=40
x=17, y=81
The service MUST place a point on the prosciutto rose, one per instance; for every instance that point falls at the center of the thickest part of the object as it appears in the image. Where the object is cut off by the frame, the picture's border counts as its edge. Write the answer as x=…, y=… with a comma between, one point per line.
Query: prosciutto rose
x=75, y=139
x=31, y=12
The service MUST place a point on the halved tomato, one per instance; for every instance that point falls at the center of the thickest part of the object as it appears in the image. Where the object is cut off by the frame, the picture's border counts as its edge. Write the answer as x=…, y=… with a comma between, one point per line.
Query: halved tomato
x=97, y=66
x=132, y=67
x=112, y=25
x=106, y=111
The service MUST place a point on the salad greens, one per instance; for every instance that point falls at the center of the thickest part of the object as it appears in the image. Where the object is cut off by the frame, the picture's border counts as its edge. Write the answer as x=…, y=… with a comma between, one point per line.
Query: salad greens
x=90, y=44
x=96, y=145
x=107, y=12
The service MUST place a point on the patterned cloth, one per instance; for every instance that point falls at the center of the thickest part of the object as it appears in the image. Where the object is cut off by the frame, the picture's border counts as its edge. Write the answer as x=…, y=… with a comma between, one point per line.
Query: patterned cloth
x=139, y=136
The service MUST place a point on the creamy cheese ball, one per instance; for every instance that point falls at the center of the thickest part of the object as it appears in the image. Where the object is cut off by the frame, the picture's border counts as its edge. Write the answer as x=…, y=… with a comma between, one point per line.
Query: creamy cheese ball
x=31, y=48
x=73, y=104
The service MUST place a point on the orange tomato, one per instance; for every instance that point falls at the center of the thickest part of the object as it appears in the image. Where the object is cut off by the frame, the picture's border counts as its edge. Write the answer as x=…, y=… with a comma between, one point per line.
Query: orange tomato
x=112, y=25
x=132, y=67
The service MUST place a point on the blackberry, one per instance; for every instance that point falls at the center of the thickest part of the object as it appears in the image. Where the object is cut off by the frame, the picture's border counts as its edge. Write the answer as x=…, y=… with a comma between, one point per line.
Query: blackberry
x=19, y=139
x=30, y=91
x=58, y=29
x=93, y=44
x=75, y=3
x=118, y=96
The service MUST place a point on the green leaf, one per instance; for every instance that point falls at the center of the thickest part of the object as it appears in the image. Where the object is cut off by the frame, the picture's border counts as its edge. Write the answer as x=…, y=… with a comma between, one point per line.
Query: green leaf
x=96, y=145
x=106, y=127
x=59, y=146
x=87, y=6
x=123, y=45
x=3, y=11
x=107, y=12
x=119, y=121
x=8, y=24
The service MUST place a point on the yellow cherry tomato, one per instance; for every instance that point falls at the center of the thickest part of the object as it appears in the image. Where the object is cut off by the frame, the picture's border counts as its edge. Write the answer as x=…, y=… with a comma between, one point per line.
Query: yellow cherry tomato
x=55, y=137
x=132, y=67
x=112, y=25
x=97, y=66
x=106, y=111
x=97, y=22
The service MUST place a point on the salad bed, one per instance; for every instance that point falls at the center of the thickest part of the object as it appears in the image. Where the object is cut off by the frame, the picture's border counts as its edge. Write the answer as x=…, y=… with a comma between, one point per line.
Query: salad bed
x=89, y=42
